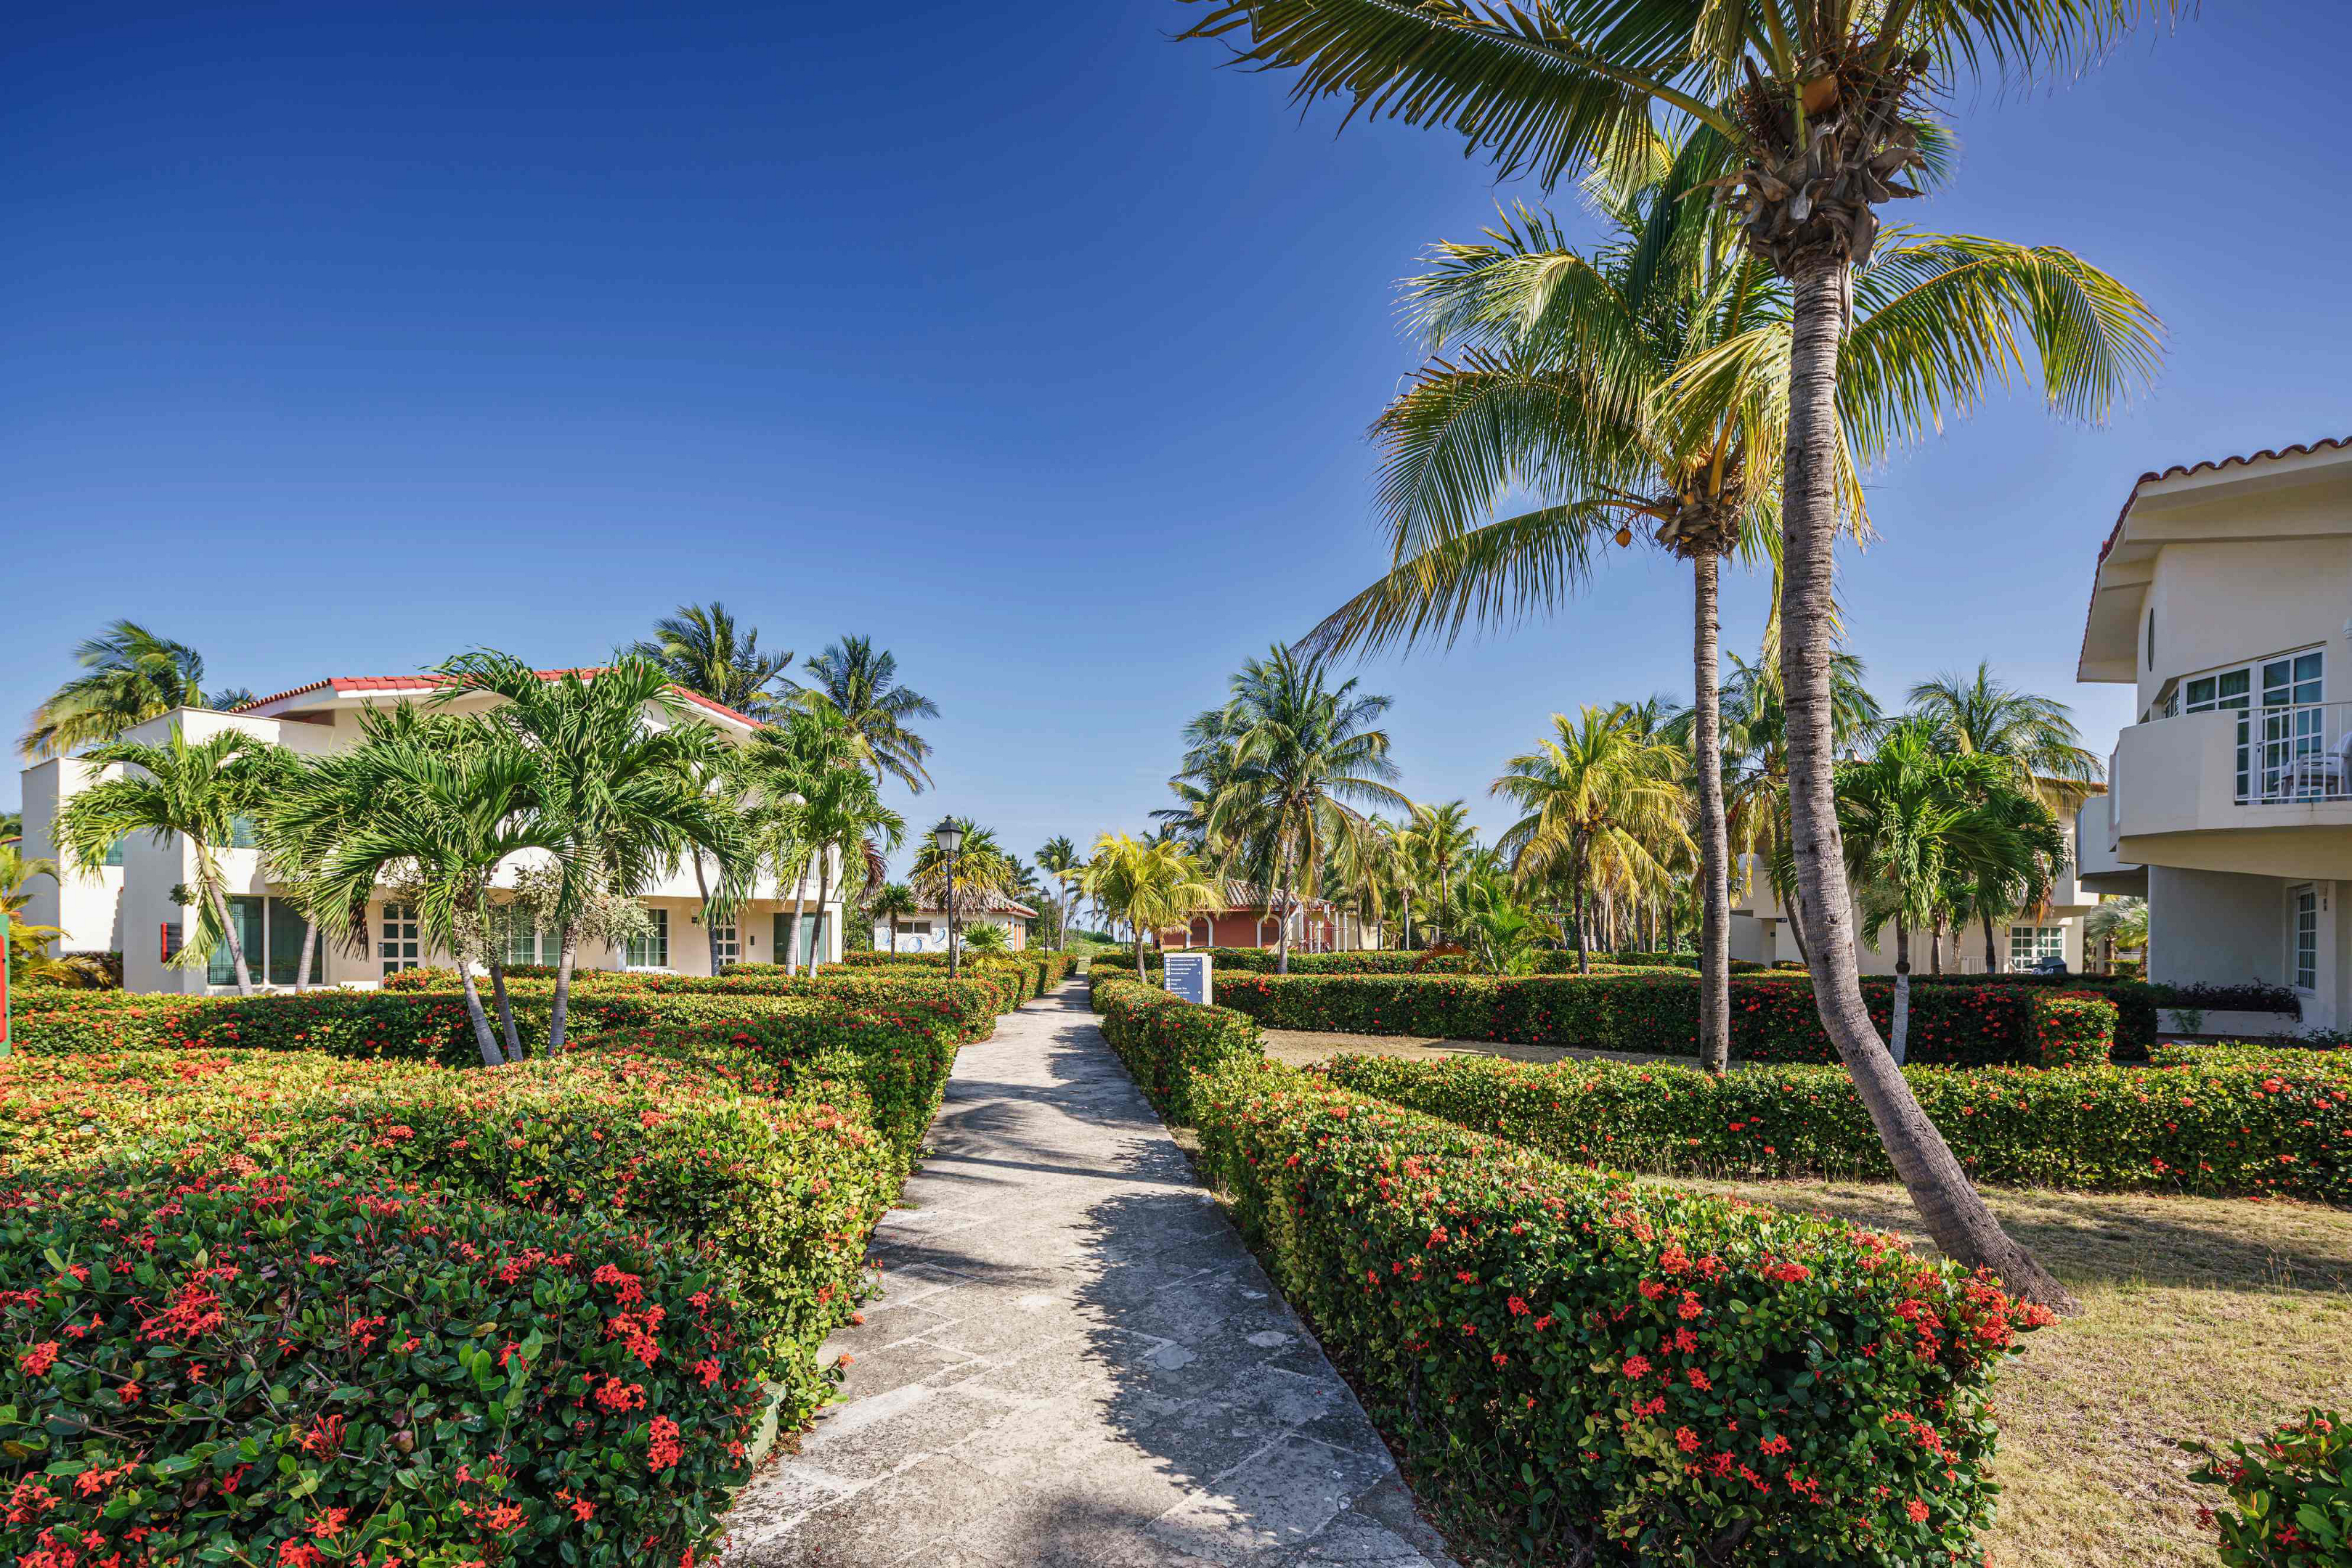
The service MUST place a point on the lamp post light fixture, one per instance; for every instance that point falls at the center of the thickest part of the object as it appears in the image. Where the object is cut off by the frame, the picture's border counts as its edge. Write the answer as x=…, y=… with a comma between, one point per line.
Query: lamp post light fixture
x=948, y=837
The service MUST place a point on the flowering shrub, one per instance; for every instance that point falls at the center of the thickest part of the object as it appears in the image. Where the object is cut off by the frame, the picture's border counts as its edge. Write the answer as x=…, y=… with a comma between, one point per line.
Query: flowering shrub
x=1398, y=961
x=1773, y=1018
x=1168, y=1044
x=2290, y=1495
x=2217, y=1129
x=1576, y=1365
x=297, y=1368
x=2069, y=1028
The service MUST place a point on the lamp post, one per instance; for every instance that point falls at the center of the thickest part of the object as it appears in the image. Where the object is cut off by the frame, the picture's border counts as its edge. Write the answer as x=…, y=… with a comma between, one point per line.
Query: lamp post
x=949, y=836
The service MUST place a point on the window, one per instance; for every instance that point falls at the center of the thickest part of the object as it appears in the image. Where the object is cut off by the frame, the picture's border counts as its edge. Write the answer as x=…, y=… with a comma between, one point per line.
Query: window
x=245, y=914
x=650, y=949
x=242, y=833
x=397, y=941
x=2029, y=945
x=2306, y=938
x=916, y=928
x=520, y=945
x=2228, y=689
x=287, y=932
x=114, y=851
x=2292, y=723
x=726, y=937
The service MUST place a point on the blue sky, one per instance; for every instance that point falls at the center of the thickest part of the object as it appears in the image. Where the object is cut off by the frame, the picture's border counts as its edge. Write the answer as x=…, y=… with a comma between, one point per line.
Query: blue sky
x=1021, y=339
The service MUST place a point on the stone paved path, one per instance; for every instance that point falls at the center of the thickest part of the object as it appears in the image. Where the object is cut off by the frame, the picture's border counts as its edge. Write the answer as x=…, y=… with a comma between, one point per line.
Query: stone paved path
x=1076, y=1361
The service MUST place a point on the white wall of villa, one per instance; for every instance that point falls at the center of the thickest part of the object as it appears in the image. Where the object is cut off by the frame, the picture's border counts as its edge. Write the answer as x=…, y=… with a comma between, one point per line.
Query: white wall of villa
x=130, y=908
x=2223, y=595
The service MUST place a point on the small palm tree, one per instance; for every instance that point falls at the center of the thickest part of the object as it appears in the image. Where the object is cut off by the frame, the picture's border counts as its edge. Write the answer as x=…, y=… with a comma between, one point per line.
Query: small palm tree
x=893, y=902
x=1600, y=799
x=702, y=650
x=197, y=789
x=860, y=683
x=1153, y=884
x=2123, y=921
x=985, y=938
x=131, y=675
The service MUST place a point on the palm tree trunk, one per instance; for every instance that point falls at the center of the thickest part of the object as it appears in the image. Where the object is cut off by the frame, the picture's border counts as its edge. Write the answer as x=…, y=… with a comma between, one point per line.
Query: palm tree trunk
x=709, y=925
x=309, y=957
x=228, y=930
x=1282, y=943
x=1714, y=830
x=569, y=955
x=484, y=1041
x=800, y=908
x=1935, y=954
x=1900, y=1045
x=1956, y=1215
x=893, y=934
x=1992, y=956
x=823, y=892
x=506, y=1011
x=1583, y=955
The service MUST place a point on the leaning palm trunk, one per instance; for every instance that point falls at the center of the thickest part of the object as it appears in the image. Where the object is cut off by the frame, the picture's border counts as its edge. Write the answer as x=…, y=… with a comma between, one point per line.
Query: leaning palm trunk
x=1714, y=831
x=1583, y=955
x=555, y=1018
x=800, y=914
x=309, y=955
x=1899, y=1037
x=229, y=933
x=1956, y=1215
x=709, y=924
x=506, y=1011
x=484, y=1041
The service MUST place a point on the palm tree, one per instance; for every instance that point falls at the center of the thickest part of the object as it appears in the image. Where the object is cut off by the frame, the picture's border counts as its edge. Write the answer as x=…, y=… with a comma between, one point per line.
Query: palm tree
x=785, y=767
x=1151, y=885
x=893, y=902
x=701, y=649
x=845, y=821
x=1803, y=113
x=2122, y=921
x=1058, y=858
x=1300, y=757
x=1599, y=799
x=981, y=869
x=132, y=675
x=1438, y=841
x=197, y=789
x=626, y=795
x=861, y=684
x=1924, y=828
x=2035, y=735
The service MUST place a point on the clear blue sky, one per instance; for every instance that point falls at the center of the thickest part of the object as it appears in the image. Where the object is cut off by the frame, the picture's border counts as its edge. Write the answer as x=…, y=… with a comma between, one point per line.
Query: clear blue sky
x=339, y=338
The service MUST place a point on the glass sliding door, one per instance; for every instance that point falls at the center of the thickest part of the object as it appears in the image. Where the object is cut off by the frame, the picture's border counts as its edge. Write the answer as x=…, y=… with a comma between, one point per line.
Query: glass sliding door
x=287, y=929
x=2293, y=722
x=245, y=917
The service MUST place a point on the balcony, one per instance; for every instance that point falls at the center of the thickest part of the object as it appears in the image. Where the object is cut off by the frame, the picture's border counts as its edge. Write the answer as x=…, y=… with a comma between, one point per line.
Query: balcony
x=2261, y=792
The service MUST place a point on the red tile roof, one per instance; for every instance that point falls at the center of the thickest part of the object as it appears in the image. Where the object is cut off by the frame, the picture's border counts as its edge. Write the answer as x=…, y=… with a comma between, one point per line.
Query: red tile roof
x=2182, y=471
x=342, y=683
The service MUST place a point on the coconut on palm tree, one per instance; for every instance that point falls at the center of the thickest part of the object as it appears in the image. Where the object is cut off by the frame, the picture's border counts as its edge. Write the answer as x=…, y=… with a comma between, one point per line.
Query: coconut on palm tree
x=704, y=651
x=197, y=789
x=860, y=683
x=130, y=675
x=1151, y=883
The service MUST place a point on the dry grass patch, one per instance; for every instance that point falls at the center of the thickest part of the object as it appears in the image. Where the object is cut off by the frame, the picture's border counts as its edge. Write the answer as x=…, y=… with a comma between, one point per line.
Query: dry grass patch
x=2203, y=1318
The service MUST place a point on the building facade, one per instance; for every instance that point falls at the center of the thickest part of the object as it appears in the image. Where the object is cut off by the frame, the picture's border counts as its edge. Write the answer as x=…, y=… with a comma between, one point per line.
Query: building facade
x=131, y=905
x=1248, y=918
x=926, y=930
x=2223, y=597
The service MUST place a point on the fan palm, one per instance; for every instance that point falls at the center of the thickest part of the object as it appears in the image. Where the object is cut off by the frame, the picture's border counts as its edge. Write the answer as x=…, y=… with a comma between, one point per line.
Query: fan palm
x=702, y=650
x=893, y=902
x=131, y=675
x=625, y=794
x=1801, y=112
x=1301, y=757
x=860, y=683
x=1598, y=798
x=197, y=789
x=982, y=868
x=1151, y=885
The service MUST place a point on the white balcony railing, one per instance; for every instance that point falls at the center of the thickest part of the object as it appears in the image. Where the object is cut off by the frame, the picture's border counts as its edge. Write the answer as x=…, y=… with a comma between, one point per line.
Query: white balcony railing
x=2294, y=754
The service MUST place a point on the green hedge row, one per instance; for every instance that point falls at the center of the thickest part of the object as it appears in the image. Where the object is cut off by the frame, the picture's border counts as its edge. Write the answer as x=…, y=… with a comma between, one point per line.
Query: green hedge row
x=1772, y=1019
x=1398, y=961
x=1169, y=1045
x=2220, y=1128
x=537, y=1309
x=1575, y=1369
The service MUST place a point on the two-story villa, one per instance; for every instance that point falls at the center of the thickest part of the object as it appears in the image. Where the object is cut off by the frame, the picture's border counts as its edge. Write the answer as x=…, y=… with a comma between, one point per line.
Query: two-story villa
x=2224, y=597
x=128, y=904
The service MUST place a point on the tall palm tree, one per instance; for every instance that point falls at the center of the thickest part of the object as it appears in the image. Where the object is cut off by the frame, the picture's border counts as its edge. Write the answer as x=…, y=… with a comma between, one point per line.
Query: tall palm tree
x=1439, y=840
x=131, y=675
x=2035, y=735
x=785, y=767
x=845, y=821
x=1058, y=858
x=1302, y=757
x=1153, y=884
x=893, y=902
x=1599, y=799
x=982, y=869
x=625, y=794
x=702, y=650
x=197, y=789
x=861, y=684
x=1804, y=114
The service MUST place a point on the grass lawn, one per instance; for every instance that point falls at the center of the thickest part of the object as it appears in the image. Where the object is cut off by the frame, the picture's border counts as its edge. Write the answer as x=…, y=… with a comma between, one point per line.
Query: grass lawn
x=2203, y=1318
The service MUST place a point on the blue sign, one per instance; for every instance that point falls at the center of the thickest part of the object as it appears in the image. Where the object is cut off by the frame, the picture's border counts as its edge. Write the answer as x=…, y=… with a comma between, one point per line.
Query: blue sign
x=1188, y=976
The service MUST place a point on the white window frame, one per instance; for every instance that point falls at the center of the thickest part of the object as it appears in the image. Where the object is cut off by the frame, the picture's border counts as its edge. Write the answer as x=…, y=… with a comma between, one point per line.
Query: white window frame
x=398, y=928
x=726, y=940
x=2292, y=722
x=2301, y=905
x=657, y=933
x=2044, y=942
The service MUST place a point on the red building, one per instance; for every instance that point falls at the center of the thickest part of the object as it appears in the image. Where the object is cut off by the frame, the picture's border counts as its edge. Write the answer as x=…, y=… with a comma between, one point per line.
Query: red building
x=1248, y=919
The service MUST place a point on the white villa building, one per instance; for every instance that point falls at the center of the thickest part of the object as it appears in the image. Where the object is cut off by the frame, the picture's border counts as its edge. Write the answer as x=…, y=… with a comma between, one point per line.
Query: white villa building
x=926, y=930
x=2224, y=597
x=128, y=907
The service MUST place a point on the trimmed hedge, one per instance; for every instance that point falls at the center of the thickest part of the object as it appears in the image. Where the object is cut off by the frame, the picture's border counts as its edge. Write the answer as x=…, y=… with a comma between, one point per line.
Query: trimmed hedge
x=1578, y=1369
x=1772, y=1019
x=1168, y=1044
x=299, y=1367
x=2218, y=1129
x=2069, y=1028
x=1398, y=961
x=2290, y=1494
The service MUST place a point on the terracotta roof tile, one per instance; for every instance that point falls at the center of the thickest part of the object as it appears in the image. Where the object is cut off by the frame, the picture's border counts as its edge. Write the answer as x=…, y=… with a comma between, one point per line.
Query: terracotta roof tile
x=342, y=683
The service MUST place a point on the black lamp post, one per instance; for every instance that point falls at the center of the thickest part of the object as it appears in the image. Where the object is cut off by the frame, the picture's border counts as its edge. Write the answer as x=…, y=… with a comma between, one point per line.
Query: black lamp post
x=949, y=836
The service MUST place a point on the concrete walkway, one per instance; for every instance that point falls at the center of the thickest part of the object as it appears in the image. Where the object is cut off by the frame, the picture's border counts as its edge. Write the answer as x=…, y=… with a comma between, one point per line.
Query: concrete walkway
x=1074, y=1361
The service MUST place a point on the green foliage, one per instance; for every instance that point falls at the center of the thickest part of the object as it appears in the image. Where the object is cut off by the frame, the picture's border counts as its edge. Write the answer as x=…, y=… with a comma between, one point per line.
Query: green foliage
x=273, y=1366
x=2069, y=1028
x=2290, y=1495
x=1586, y=1370
x=1170, y=1045
x=2217, y=1129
